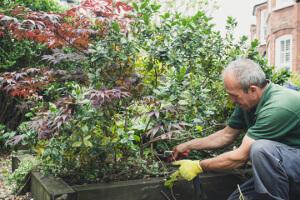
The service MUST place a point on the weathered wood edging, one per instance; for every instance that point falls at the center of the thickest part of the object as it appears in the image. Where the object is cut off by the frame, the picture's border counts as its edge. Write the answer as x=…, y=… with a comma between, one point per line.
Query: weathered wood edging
x=215, y=186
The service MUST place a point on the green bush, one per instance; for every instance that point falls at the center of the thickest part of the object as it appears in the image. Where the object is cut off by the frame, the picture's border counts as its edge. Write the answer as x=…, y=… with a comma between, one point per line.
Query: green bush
x=19, y=54
x=37, y=5
x=16, y=54
x=18, y=178
x=152, y=86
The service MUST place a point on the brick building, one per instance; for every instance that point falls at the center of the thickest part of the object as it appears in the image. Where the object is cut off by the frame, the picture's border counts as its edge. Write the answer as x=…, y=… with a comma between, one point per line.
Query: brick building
x=278, y=30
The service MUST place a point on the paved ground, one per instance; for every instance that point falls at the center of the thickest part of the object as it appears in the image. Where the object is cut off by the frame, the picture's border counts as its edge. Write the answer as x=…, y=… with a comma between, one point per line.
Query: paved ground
x=5, y=167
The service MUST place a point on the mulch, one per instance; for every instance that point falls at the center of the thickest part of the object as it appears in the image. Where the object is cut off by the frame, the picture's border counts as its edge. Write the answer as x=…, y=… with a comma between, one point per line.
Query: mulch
x=5, y=192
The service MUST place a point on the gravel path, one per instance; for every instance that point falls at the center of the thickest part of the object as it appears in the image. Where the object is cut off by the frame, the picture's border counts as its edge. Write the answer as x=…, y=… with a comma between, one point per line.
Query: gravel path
x=5, y=192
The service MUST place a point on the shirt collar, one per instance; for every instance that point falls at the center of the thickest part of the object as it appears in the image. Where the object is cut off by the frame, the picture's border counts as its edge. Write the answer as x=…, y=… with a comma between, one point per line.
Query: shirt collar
x=264, y=97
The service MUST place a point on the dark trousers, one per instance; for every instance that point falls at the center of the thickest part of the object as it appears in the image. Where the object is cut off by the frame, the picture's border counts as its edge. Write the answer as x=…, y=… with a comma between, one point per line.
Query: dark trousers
x=276, y=173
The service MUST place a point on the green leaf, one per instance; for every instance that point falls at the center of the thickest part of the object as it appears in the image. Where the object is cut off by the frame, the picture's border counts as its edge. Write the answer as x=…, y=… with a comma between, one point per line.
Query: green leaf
x=166, y=15
x=123, y=57
x=165, y=104
x=146, y=19
x=135, y=6
x=155, y=7
x=183, y=102
x=137, y=138
x=52, y=107
x=87, y=143
x=170, y=182
x=85, y=101
x=144, y=4
x=77, y=144
x=85, y=128
x=87, y=137
x=139, y=127
x=199, y=128
x=116, y=26
x=29, y=114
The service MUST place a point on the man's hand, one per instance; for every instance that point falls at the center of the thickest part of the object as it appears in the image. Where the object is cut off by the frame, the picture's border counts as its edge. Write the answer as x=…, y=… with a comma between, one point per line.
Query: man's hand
x=188, y=169
x=180, y=151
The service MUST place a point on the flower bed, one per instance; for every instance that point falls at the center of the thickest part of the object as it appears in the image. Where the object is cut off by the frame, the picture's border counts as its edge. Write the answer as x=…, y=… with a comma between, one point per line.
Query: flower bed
x=217, y=185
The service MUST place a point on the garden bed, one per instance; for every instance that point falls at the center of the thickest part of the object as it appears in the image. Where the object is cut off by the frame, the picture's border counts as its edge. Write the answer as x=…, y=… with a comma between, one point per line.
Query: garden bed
x=214, y=185
x=217, y=185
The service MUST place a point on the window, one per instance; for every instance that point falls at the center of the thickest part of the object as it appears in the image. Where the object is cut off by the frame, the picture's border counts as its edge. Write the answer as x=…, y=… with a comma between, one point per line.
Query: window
x=284, y=52
x=263, y=26
x=284, y=3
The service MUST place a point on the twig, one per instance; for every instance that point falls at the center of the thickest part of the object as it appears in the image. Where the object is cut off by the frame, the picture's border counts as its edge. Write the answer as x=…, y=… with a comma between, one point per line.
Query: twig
x=241, y=197
x=172, y=193
x=162, y=163
x=165, y=195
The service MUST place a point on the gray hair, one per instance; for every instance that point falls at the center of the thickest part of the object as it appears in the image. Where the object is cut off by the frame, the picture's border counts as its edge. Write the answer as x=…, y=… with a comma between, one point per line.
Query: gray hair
x=247, y=73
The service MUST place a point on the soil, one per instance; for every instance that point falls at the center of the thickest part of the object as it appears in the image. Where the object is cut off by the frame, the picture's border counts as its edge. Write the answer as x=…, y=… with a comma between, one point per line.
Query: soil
x=5, y=167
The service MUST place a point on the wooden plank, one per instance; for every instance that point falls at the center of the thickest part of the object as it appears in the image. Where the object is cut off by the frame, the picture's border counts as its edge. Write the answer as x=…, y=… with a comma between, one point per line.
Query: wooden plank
x=215, y=186
x=50, y=188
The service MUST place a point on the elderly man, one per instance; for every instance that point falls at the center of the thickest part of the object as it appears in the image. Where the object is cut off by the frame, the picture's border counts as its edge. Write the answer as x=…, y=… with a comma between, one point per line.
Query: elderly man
x=271, y=116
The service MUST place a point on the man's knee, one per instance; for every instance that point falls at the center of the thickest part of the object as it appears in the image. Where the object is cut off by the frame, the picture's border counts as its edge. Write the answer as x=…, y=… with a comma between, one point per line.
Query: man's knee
x=261, y=148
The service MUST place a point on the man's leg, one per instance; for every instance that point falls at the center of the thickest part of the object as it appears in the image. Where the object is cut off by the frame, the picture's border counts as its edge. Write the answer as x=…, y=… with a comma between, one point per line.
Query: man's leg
x=247, y=190
x=276, y=172
x=295, y=191
x=275, y=167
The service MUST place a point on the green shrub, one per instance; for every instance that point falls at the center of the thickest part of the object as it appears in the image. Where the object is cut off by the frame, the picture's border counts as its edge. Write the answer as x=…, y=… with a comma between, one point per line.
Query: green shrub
x=19, y=54
x=18, y=178
x=157, y=85
x=37, y=5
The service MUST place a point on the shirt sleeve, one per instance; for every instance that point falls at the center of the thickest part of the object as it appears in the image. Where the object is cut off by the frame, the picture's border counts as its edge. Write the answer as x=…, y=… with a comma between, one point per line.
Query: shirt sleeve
x=273, y=124
x=236, y=119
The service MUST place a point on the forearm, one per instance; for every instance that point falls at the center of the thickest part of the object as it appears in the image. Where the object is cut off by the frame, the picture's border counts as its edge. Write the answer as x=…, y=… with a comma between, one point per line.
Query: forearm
x=227, y=160
x=216, y=140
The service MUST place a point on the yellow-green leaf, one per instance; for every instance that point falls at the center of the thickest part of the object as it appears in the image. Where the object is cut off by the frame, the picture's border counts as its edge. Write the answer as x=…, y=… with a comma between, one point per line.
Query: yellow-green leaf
x=199, y=128
x=87, y=143
x=77, y=144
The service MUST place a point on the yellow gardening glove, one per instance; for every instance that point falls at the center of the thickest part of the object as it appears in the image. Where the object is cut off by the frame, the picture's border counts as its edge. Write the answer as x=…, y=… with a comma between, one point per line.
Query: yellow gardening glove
x=188, y=169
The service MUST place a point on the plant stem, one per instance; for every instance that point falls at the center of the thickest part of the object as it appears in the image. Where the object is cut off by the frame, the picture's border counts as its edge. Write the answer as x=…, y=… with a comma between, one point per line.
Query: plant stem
x=165, y=195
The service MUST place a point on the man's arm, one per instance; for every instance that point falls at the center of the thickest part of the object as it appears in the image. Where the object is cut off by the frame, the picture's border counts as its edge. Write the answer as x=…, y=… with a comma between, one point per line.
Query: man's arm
x=231, y=159
x=218, y=139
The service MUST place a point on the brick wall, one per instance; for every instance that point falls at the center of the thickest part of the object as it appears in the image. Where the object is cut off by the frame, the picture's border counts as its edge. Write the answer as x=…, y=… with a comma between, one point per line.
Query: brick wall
x=280, y=22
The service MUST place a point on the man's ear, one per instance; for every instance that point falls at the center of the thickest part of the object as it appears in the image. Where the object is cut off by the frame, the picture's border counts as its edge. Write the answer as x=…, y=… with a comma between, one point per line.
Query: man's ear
x=253, y=88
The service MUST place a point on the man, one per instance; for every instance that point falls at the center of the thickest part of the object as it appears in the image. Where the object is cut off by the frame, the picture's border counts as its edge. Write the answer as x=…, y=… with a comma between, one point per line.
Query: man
x=271, y=116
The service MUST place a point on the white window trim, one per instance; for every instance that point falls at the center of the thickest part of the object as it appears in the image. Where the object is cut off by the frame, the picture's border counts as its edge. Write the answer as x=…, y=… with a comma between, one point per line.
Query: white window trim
x=280, y=4
x=269, y=6
x=263, y=26
x=278, y=64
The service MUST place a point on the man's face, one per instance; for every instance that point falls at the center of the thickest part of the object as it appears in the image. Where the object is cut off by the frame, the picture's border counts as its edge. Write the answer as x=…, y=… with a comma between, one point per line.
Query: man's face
x=246, y=100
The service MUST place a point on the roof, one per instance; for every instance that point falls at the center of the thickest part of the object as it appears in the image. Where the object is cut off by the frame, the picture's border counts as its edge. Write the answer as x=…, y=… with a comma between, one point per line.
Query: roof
x=257, y=5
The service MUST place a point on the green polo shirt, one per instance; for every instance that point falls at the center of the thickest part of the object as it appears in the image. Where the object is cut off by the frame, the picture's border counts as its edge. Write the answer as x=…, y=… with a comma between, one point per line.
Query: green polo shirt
x=276, y=117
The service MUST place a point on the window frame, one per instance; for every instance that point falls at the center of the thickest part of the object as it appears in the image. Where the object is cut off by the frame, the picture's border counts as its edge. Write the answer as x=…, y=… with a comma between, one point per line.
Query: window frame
x=263, y=26
x=269, y=5
x=279, y=64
